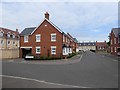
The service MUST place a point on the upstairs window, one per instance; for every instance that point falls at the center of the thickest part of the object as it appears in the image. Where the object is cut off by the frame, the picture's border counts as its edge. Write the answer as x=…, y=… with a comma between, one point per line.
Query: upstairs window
x=53, y=37
x=66, y=39
x=25, y=38
x=38, y=38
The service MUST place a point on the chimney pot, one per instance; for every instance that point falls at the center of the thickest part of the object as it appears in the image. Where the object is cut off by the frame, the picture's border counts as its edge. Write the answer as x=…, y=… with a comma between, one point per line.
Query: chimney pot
x=16, y=30
x=47, y=15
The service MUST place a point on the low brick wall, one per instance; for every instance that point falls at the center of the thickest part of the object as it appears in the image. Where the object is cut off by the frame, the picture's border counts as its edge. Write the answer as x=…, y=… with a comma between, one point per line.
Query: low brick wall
x=9, y=53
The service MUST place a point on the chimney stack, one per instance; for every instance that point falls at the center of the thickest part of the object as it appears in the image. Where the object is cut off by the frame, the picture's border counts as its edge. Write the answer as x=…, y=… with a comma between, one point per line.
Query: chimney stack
x=16, y=30
x=47, y=15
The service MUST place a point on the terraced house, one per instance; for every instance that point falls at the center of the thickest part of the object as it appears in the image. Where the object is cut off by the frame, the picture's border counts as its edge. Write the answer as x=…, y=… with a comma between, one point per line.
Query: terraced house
x=9, y=43
x=115, y=41
x=87, y=46
x=46, y=40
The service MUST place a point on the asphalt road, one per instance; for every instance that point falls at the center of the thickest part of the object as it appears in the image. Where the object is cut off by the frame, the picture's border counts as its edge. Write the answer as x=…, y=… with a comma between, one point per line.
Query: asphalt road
x=90, y=71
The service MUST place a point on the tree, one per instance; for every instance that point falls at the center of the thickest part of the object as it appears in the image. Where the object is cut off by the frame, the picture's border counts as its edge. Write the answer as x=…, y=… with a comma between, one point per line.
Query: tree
x=108, y=43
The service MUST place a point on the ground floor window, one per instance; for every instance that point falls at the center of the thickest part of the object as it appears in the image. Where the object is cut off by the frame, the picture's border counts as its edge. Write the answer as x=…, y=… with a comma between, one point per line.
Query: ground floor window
x=115, y=49
x=67, y=51
x=53, y=49
x=64, y=51
x=38, y=50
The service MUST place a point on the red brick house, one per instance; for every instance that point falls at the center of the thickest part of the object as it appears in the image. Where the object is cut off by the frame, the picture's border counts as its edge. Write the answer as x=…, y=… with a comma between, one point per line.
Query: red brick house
x=115, y=41
x=45, y=40
x=73, y=43
x=101, y=46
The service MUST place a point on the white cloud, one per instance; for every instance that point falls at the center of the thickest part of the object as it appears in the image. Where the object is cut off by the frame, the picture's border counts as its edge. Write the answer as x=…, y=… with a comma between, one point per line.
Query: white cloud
x=60, y=1
x=76, y=18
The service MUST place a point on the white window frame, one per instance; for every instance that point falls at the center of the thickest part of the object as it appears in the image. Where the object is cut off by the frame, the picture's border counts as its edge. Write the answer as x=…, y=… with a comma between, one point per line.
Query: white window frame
x=25, y=40
x=115, y=49
x=114, y=40
x=8, y=35
x=53, y=39
x=53, y=52
x=1, y=41
x=38, y=52
x=1, y=34
x=13, y=42
x=111, y=42
x=8, y=43
x=64, y=51
x=38, y=39
x=13, y=35
x=66, y=39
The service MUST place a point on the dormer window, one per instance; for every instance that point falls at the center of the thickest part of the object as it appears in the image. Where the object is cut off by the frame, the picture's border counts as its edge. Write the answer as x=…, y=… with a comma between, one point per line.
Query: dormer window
x=13, y=36
x=8, y=35
x=1, y=34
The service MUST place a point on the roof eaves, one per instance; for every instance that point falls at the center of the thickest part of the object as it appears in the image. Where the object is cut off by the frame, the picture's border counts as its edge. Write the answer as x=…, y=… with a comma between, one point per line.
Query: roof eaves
x=54, y=26
x=50, y=23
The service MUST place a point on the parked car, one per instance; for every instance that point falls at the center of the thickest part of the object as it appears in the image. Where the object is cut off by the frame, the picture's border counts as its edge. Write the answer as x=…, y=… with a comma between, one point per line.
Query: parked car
x=29, y=57
x=118, y=53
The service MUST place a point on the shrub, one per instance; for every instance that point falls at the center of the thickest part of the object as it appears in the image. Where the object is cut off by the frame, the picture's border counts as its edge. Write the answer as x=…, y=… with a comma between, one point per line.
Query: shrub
x=71, y=55
x=37, y=57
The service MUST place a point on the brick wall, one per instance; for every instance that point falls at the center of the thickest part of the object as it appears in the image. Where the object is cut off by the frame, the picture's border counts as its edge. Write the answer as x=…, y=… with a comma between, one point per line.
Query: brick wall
x=45, y=42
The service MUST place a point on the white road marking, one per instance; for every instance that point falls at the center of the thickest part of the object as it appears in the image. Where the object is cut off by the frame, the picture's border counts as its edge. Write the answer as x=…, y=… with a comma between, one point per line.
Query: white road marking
x=43, y=81
x=81, y=57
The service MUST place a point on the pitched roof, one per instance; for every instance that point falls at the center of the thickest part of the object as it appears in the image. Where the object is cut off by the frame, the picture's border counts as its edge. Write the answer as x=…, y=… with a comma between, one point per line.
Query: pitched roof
x=5, y=31
x=116, y=31
x=101, y=44
x=31, y=30
x=27, y=31
x=70, y=36
x=75, y=40
x=50, y=23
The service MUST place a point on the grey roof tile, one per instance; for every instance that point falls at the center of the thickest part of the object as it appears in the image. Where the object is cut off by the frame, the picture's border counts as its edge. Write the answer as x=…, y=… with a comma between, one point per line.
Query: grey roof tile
x=27, y=31
x=116, y=31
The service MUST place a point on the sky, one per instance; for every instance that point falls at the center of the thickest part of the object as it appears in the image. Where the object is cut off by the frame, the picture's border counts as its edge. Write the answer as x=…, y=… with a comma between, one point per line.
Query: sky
x=86, y=21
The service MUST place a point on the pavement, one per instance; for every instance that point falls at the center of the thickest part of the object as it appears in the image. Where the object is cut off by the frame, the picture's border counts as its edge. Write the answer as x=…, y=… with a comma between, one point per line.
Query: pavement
x=89, y=70
x=74, y=59
x=109, y=55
